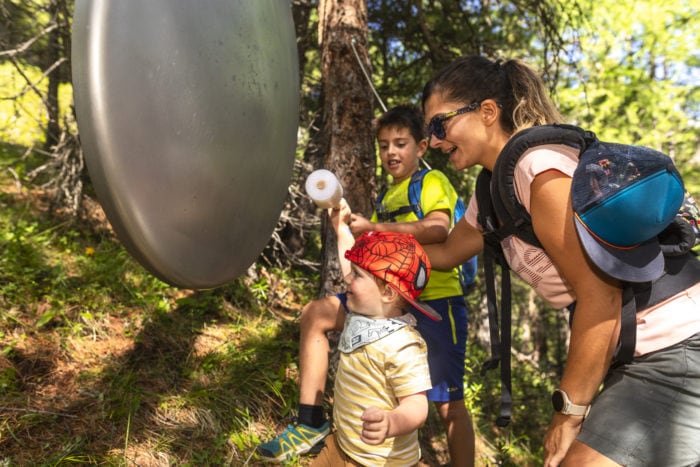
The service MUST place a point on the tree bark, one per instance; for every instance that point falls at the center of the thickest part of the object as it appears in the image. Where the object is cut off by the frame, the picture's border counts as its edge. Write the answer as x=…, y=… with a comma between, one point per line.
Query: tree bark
x=53, y=57
x=345, y=141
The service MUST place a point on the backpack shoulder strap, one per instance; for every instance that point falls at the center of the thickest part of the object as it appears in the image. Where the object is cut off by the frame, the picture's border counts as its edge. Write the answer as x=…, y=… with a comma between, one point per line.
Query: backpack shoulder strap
x=512, y=216
x=680, y=273
x=499, y=336
x=487, y=217
x=415, y=186
x=501, y=215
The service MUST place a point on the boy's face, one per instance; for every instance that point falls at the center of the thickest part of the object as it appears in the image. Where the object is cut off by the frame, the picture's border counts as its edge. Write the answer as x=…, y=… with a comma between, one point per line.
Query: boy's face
x=399, y=152
x=364, y=294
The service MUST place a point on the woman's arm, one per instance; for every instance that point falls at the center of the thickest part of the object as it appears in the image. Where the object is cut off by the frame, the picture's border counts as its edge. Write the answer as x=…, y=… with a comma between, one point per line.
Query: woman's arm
x=463, y=242
x=596, y=323
x=379, y=424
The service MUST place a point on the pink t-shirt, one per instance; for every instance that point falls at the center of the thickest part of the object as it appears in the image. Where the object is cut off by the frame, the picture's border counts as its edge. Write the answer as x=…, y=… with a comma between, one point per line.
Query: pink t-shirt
x=660, y=326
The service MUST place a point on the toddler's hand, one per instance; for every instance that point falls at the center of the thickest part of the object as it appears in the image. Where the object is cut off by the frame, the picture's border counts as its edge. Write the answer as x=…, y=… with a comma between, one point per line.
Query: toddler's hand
x=375, y=426
x=340, y=215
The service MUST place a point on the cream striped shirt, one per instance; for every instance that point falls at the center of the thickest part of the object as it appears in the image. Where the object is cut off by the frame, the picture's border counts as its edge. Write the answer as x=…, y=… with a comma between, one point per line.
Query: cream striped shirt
x=378, y=374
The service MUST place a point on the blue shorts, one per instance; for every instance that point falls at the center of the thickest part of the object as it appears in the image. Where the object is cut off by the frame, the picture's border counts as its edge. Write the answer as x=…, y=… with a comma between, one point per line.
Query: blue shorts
x=447, y=346
x=648, y=412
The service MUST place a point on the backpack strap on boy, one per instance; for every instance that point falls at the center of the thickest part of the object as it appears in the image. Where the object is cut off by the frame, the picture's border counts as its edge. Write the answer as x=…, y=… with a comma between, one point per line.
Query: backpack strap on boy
x=415, y=186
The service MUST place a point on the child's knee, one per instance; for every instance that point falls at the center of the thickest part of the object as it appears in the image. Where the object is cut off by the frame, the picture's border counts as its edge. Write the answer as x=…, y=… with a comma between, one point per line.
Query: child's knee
x=320, y=314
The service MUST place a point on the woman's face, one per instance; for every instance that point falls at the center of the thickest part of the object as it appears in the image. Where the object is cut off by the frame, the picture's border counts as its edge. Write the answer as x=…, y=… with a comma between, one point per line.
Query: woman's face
x=463, y=132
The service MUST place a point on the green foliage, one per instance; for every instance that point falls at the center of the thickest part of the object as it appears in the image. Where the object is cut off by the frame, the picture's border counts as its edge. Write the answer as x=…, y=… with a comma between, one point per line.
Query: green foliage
x=520, y=442
x=22, y=113
x=46, y=261
x=20, y=22
x=199, y=374
x=207, y=398
x=408, y=46
x=633, y=77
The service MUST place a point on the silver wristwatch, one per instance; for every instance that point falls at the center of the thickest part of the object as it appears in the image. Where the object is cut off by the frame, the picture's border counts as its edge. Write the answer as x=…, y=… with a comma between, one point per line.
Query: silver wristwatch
x=562, y=404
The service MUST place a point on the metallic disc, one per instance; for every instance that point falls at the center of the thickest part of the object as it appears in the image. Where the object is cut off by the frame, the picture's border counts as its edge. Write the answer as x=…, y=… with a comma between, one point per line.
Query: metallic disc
x=188, y=115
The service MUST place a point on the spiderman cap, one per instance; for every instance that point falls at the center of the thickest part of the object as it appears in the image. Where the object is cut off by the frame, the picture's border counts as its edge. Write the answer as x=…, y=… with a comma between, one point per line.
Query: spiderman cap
x=399, y=260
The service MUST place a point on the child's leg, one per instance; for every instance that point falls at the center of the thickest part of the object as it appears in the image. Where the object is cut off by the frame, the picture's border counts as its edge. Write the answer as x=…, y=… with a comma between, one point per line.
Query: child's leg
x=460, y=432
x=318, y=317
x=446, y=341
x=332, y=455
x=305, y=436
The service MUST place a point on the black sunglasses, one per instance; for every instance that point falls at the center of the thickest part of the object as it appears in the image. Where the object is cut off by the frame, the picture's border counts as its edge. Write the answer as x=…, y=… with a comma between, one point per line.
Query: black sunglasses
x=437, y=123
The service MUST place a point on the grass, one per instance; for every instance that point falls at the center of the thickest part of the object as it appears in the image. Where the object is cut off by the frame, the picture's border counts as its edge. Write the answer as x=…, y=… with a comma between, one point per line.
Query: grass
x=101, y=363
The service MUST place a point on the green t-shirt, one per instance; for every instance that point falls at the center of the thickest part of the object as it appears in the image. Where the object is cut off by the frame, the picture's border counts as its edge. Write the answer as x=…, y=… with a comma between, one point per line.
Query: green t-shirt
x=437, y=194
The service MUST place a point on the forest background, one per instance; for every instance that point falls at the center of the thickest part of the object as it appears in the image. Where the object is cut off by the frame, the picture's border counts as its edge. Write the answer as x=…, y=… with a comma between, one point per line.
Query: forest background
x=102, y=363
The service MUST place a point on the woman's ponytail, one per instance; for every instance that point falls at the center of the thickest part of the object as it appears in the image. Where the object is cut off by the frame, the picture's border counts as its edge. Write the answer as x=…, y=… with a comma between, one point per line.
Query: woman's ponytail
x=531, y=103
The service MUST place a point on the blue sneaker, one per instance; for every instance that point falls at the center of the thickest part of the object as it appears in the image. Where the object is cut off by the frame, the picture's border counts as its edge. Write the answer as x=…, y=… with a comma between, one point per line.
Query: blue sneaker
x=296, y=440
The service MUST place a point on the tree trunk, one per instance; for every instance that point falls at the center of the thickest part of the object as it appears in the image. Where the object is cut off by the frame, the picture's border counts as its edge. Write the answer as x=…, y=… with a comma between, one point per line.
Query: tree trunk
x=345, y=141
x=52, y=58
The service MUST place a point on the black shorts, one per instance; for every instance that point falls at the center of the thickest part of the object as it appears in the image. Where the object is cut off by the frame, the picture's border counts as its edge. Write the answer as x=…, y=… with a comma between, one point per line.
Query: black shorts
x=648, y=413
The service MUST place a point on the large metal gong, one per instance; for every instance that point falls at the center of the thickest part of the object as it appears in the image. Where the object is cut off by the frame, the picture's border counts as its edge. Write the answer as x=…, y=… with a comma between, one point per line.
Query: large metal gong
x=188, y=113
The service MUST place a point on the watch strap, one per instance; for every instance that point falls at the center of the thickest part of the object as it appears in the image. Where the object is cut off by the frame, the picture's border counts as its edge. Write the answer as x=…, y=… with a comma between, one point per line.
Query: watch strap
x=569, y=408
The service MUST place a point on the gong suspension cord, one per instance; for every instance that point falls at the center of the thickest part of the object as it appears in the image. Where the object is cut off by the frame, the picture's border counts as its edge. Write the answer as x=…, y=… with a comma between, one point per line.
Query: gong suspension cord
x=376, y=94
x=369, y=80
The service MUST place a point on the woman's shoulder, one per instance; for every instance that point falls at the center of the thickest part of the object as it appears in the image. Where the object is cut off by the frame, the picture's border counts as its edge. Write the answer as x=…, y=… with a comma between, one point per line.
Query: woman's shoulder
x=547, y=157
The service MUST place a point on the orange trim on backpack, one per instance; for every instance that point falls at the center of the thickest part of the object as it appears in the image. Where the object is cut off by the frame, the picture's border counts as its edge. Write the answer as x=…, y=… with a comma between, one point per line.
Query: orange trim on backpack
x=600, y=240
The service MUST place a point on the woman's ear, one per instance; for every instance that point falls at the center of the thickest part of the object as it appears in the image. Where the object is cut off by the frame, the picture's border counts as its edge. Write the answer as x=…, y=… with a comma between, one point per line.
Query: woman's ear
x=490, y=111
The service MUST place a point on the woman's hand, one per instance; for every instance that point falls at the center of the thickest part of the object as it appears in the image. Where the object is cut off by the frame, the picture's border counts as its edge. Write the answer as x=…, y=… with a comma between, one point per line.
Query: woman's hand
x=561, y=433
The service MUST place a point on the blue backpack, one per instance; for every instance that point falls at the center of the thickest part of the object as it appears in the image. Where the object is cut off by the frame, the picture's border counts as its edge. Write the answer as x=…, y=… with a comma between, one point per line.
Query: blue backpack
x=467, y=270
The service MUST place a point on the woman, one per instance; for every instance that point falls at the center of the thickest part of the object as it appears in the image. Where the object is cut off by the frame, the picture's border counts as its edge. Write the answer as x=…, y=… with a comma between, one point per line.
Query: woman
x=648, y=412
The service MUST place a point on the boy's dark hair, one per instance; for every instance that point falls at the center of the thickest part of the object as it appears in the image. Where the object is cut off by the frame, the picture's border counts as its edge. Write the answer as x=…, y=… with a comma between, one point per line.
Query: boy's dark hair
x=402, y=116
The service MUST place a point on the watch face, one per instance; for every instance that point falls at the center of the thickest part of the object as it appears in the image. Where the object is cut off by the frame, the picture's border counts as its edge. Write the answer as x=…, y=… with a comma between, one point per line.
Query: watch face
x=558, y=401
